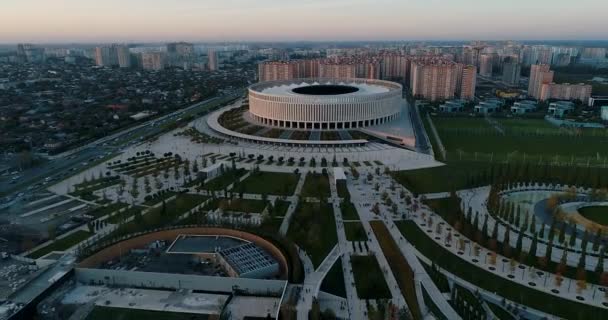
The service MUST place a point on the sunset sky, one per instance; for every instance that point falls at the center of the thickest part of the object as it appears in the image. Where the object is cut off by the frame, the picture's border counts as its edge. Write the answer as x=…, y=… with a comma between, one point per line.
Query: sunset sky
x=280, y=20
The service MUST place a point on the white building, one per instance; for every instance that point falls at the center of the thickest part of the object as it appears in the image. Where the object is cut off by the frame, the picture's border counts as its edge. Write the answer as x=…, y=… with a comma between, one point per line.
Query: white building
x=605, y=113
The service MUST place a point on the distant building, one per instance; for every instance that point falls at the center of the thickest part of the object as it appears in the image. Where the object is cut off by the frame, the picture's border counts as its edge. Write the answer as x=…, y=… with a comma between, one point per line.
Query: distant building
x=539, y=74
x=566, y=91
x=182, y=49
x=153, y=60
x=434, y=80
x=123, y=56
x=106, y=56
x=485, y=65
x=330, y=69
x=511, y=72
x=213, y=63
x=466, y=82
x=277, y=70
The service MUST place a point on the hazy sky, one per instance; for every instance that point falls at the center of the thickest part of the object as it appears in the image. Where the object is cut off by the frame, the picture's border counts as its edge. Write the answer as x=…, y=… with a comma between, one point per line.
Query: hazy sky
x=234, y=20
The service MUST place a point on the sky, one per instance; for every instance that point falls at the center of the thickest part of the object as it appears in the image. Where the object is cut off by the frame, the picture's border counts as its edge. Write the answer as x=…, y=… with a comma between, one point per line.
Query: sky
x=56, y=21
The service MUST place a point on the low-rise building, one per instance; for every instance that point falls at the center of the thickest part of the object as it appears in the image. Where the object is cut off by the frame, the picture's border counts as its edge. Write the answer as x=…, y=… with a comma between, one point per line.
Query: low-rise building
x=560, y=108
x=604, y=113
x=523, y=107
x=488, y=106
x=452, y=106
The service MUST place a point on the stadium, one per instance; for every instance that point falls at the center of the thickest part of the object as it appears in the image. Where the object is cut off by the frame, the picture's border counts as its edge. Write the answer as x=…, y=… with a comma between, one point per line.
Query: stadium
x=324, y=103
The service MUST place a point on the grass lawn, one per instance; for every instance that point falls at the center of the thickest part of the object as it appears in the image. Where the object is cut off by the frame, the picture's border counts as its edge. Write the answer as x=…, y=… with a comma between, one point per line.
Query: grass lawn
x=354, y=231
x=480, y=277
x=334, y=280
x=313, y=228
x=500, y=312
x=122, y=216
x=316, y=185
x=157, y=217
x=62, y=244
x=280, y=207
x=401, y=269
x=103, y=313
x=223, y=181
x=275, y=183
x=271, y=225
x=349, y=212
x=453, y=176
x=597, y=214
x=369, y=279
x=243, y=205
x=104, y=210
x=342, y=190
x=469, y=138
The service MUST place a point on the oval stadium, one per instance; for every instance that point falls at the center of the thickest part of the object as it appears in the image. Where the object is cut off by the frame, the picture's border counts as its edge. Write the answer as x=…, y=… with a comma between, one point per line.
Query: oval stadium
x=325, y=103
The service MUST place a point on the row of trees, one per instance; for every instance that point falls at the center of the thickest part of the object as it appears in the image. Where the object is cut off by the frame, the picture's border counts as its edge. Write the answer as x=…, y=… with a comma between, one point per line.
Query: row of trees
x=468, y=225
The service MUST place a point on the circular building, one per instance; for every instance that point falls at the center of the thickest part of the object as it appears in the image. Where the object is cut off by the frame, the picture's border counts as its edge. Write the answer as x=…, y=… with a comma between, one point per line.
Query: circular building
x=325, y=103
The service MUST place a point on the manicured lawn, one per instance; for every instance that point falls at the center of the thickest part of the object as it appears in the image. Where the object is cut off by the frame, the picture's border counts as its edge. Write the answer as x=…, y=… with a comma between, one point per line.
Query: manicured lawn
x=243, y=205
x=342, y=190
x=597, y=214
x=159, y=217
x=501, y=313
x=349, y=212
x=313, y=228
x=275, y=183
x=123, y=215
x=369, y=279
x=62, y=244
x=463, y=137
x=280, y=207
x=334, y=280
x=480, y=277
x=104, y=210
x=401, y=269
x=104, y=313
x=316, y=185
x=453, y=176
x=223, y=181
x=271, y=225
x=354, y=231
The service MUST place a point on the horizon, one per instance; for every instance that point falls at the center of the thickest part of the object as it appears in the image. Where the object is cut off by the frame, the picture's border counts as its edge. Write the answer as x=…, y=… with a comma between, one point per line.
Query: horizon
x=154, y=21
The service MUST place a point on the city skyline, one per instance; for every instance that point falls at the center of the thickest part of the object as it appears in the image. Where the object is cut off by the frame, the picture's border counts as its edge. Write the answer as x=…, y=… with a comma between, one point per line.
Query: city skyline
x=272, y=20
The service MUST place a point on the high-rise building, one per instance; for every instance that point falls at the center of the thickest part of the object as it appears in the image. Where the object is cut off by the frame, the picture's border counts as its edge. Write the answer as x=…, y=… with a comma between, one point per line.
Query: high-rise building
x=213, y=63
x=434, y=80
x=593, y=53
x=511, y=72
x=105, y=56
x=330, y=69
x=123, y=56
x=394, y=67
x=278, y=70
x=485, y=65
x=183, y=49
x=539, y=74
x=308, y=68
x=466, y=81
x=153, y=60
x=113, y=55
x=565, y=91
